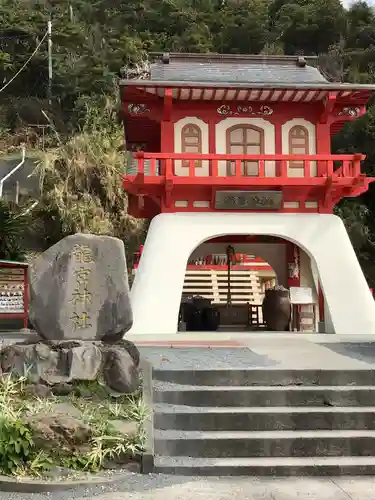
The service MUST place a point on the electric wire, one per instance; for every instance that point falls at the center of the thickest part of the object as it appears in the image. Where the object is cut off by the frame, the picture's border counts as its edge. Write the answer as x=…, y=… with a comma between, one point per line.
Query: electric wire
x=26, y=63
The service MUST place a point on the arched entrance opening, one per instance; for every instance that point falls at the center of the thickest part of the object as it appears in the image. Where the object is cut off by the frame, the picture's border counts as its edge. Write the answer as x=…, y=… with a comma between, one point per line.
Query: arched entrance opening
x=227, y=279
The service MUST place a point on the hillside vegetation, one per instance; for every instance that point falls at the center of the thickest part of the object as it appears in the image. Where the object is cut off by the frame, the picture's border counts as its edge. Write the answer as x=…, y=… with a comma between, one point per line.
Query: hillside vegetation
x=79, y=136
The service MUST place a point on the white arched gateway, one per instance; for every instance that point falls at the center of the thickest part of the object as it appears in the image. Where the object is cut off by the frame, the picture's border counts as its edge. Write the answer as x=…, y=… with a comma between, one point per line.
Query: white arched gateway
x=158, y=284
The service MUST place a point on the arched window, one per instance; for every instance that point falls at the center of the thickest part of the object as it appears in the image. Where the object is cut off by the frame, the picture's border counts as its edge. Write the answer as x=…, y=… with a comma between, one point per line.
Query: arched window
x=191, y=142
x=245, y=140
x=298, y=144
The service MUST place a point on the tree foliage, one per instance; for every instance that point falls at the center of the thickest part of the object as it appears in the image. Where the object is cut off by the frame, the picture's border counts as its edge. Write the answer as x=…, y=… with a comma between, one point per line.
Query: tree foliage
x=82, y=157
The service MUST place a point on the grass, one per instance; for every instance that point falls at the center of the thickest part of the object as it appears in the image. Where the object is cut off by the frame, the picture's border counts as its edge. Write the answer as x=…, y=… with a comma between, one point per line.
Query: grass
x=19, y=454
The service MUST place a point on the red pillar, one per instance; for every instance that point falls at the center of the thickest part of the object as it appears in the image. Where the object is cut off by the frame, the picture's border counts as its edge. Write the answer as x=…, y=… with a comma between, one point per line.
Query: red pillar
x=278, y=147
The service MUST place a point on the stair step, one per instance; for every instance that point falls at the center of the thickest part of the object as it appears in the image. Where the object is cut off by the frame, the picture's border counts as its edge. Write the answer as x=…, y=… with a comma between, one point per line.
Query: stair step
x=261, y=396
x=179, y=417
x=262, y=410
x=215, y=444
x=168, y=386
x=264, y=376
x=266, y=466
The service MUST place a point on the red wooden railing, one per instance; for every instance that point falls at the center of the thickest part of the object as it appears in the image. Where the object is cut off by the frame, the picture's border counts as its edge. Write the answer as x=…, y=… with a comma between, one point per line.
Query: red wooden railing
x=190, y=165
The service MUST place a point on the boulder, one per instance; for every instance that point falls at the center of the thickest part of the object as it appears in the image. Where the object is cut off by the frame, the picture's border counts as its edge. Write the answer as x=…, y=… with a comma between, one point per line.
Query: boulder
x=67, y=409
x=78, y=361
x=57, y=430
x=34, y=361
x=79, y=290
x=124, y=427
x=39, y=391
x=58, y=365
x=52, y=364
x=120, y=373
x=128, y=346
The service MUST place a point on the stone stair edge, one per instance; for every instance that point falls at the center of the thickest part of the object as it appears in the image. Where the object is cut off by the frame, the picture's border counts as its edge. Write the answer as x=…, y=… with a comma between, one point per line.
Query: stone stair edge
x=267, y=461
x=161, y=386
x=266, y=435
x=170, y=408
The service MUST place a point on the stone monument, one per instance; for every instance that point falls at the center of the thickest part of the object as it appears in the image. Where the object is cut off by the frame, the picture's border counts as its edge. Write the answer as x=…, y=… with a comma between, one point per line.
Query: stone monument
x=80, y=310
x=79, y=290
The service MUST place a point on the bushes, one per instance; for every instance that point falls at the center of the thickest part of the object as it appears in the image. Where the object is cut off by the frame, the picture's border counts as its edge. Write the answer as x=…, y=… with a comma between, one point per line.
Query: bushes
x=13, y=225
x=36, y=436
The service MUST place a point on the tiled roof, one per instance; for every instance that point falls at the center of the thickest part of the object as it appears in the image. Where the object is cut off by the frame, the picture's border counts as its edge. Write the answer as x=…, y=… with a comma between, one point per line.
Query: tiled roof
x=234, y=69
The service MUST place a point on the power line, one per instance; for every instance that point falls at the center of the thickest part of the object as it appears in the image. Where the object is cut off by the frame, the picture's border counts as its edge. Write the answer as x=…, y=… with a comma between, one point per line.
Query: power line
x=26, y=63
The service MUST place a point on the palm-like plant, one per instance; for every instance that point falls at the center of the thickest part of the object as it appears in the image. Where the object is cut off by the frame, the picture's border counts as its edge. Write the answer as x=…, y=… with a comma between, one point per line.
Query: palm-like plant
x=13, y=225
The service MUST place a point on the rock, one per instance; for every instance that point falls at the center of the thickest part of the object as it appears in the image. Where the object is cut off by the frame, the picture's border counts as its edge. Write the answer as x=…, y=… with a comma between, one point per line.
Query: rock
x=79, y=290
x=67, y=409
x=86, y=362
x=59, y=473
x=53, y=364
x=61, y=363
x=120, y=373
x=57, y=430
x=124, y=427
x=62, y=389
x=38, y=390
x=34, y=361
x=122, y=463
x=130, y=347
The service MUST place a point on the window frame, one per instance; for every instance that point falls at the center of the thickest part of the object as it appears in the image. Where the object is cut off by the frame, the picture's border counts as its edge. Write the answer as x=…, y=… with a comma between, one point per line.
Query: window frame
x=184, y=136
x=229, y=143
x=306, y=145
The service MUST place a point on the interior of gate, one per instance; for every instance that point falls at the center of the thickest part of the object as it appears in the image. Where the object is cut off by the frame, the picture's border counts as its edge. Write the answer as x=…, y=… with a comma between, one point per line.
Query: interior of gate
x=229, y=281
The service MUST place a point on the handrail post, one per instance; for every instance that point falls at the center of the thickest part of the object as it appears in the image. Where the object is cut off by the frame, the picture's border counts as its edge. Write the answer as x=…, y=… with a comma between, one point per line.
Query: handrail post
x=147, y=464
x=357, y=164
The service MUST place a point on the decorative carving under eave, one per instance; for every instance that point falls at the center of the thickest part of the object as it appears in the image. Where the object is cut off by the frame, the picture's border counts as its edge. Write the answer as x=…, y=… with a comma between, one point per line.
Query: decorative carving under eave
x=138, y=109
x=349, y=111
x=226, y=110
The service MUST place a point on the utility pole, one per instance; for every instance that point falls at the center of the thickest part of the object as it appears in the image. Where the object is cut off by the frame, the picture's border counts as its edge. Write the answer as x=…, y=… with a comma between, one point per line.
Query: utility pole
x=49, y=89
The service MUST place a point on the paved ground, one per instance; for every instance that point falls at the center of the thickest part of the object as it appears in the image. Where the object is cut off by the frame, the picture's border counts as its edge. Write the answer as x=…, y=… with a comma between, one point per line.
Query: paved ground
x=259, y=351
x=137, y=487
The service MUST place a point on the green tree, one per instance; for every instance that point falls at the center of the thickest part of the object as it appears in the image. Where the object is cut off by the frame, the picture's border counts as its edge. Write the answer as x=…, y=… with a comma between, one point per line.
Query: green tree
x=306, y=26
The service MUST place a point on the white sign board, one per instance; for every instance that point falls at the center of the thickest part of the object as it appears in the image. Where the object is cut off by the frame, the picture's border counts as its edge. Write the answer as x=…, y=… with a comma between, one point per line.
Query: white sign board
x=301, y=295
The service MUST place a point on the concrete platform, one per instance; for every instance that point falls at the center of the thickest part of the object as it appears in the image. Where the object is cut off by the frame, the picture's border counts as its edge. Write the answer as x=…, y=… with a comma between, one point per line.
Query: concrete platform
x=277, y=351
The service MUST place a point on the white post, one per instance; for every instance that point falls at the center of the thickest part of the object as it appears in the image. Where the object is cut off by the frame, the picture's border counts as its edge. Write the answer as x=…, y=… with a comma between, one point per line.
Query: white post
x=49, y=61
x=9, y=174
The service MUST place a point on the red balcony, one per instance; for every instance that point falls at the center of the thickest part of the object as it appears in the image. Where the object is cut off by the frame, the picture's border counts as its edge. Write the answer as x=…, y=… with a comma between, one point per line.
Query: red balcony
x=164, y=182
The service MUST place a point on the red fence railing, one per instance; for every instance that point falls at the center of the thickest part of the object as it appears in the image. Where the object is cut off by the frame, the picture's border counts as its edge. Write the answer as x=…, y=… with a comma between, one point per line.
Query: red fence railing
x=228, y=165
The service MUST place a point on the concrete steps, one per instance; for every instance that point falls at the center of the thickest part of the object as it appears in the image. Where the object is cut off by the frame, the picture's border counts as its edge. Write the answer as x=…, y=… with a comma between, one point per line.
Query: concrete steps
x=299, y=418
x=264, y=422
x=241, y=444
x=261, y=396
x=265, y=377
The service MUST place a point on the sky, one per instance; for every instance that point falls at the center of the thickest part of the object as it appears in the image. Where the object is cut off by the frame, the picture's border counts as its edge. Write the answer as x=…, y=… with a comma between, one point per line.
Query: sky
x=347, y=3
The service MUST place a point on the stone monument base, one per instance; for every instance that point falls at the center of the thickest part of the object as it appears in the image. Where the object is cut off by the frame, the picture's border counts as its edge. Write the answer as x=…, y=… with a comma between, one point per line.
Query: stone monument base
x=115, y=365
